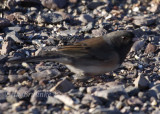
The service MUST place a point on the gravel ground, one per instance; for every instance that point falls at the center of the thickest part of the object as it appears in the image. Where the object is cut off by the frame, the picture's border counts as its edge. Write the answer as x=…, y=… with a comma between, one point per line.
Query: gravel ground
x=33, y=27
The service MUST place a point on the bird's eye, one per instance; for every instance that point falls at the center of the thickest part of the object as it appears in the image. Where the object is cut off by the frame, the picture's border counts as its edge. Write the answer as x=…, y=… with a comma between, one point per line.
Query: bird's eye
x=125, y=39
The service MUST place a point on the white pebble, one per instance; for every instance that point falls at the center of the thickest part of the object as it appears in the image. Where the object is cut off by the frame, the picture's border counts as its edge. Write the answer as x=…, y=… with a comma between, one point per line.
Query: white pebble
x=140, y=66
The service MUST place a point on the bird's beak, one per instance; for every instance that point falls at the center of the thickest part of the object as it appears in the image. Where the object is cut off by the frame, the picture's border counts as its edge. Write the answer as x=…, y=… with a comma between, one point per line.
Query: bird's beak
x=135, y=39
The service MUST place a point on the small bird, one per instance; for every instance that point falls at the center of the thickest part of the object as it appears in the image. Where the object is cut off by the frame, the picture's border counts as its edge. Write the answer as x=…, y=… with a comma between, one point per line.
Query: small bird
x=92, y=56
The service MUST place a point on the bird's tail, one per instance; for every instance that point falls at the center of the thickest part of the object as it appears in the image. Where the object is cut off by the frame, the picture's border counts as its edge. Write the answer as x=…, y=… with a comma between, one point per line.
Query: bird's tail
x=55, y=58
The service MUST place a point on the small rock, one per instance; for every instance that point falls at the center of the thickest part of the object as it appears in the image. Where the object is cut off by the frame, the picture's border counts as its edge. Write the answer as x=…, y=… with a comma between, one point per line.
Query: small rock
x=53, y=101
x=40, y=97
x=34, y=110
x=141, y=82
x=49, y=18
x=3, y=79
x=90, y=99
x=14, y=36
x=94, y=5
x=63, y=86
x=65, y=99
x=144, y=20
x=150, y=48
x=54, y=4
x=68, y=32
x=93, y=89
x=23, y=92
x=3, y=58
x=16, y=78
x=11, y=99
x=3, y=96
x=73, y=1
x=129, y=65
x=47, y=74
x=105, y=111
x=112, y=92
x=98, y=32
x=137, y=46
x=132, y=91
x=155, y=91
x=15, y=29
x=4, y=106
x=6, y=47
x=155, y=8
x=4, y=22
x=156, y=112
x=87, y=27
x=134, y=101
x=85, y=18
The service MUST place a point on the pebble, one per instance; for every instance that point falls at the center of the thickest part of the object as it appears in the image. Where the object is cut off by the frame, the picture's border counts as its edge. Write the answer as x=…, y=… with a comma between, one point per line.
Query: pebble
x=144, y=20
x=4, y=22
x=3, y=79
x=134, y=101
x=63, y=86
x=112, y=92
x=6, y=47
x=54, y=4
x=151, y=48
x=141, y=82
x=65, y=99
x=40, y=97
x=155, y=91
x=14, y=36
x=85, y=18
x=3, y=95
x=105, y=111
x=131, y=90
x=137, y=45
x=50, y=18
x=94, y=5
x=90, y=99
x=45, y=74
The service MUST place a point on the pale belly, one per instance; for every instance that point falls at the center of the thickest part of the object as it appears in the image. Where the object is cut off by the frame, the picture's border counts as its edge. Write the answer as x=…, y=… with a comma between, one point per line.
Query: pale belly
x=96, y=70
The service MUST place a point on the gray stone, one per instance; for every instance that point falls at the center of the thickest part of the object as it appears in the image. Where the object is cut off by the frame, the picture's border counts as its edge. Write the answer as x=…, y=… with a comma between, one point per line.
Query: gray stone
x=94, y=5
x=49, y=18
x=47, y=74
x=66, y=100
x=137, y=45
x=98, y=32
x=3, y=79
x=23, y=92
x=40, y=97
x=141, y=82
x=93, y=89
x=105, y=111
x=14, y=36
x=68, y=32
x=3, y=96
x=90, y=99
x=54, y=4
x=63, y=86
x=15, y=28
x=132, y=91
x=144, y=20
x=53, y=101
x=154, y=91
x=85, y=18
x=112, y=92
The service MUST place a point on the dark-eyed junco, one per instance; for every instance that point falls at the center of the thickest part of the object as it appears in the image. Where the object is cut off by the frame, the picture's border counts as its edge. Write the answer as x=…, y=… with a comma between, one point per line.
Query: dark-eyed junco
x=92, y=56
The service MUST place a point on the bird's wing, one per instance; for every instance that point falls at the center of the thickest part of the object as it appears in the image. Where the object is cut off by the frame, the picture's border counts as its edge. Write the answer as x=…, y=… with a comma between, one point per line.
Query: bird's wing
x=92, y=48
